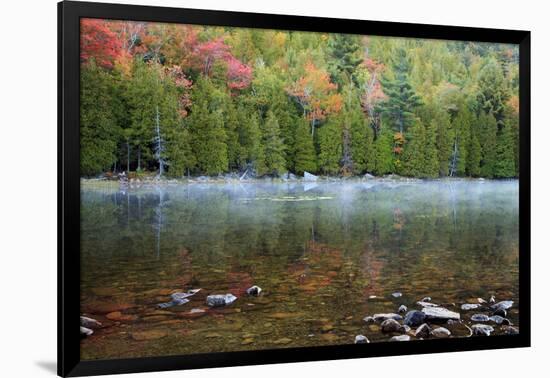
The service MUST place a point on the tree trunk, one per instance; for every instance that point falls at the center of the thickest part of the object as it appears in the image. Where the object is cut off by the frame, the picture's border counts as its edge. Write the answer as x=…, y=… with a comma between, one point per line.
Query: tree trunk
x=128, y=156
x=139, y=158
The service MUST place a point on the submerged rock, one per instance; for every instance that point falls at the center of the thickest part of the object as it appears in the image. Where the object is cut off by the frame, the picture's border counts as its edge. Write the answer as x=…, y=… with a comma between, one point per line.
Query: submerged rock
x=499, y=319
x=426, y=299
x=479, y=318
x=402, y=309
x=382, y=317
x=481, y=300
x=401, y=338
x=89, y=322
x=440, y=313
x=504, y=305
x=426, y=304
x=254, y=291
x=86, y=331
x=219, y=300
x=309, y=177
x=179, y=299
x=390, y=325
x=423, y=331
x=440, y=332
x=500, y=312
x=492, y=299
x=397, y=294
x=470, y=306
x=482, y=329
x=368, y=319
x=414, y=318
x=361, y=339
x=509, y=330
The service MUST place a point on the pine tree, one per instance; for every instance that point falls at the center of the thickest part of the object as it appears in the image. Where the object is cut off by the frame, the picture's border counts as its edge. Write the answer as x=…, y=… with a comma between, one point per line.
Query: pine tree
x=273, y=146
x=414, y=152
x=488, y=141
x=431, y=158
x=345, y=55
x=473, y=168
x=383, y=154
x=330, y=146
x=99, y=130
x=206, y=128
x=493, y=92
x=305, y=157
x=505, y=160
x=461, y=127
x=402, y=100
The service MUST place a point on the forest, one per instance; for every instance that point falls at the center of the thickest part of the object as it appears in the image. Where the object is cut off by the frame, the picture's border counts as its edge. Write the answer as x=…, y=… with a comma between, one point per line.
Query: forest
x=180, y=100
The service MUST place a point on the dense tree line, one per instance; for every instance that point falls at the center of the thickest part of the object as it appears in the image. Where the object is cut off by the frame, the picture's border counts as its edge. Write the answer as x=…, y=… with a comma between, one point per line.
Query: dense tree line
x=187, y=100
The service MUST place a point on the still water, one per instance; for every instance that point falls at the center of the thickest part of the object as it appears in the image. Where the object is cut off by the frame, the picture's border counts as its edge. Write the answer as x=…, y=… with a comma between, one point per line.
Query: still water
x=325, y=254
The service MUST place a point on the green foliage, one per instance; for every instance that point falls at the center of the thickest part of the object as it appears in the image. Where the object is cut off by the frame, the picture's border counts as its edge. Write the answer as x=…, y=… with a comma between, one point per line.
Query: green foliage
x=330, y=146
x=402, y=100
x=99, y=130
x=305, y=155
x=205, y=100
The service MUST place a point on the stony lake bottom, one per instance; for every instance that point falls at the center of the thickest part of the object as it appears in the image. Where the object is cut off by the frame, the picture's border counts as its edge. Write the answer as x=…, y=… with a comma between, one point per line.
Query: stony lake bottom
x=326, y=255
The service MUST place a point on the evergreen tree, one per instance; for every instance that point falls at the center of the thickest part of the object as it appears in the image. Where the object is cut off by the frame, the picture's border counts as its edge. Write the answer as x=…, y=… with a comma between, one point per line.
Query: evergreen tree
x=474, y=156
x=305, y=157
x=414, y=152
x=505, y=160
x=402, y=100
x=383, y=154
x=493, y=90
x=206, y=128
x=345, y=55
x=99, y=130
x=488, y=141
x=330, y=146
x=431, y=158
x=461, y=127
x=273, y=146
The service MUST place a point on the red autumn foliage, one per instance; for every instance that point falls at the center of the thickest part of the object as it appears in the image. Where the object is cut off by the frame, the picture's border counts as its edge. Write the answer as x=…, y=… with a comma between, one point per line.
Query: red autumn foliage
x=182, y=82
x=98, y=42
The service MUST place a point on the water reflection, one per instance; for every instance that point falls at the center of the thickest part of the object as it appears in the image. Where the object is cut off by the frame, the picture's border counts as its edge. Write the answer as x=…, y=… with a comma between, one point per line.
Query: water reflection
x=319, y=250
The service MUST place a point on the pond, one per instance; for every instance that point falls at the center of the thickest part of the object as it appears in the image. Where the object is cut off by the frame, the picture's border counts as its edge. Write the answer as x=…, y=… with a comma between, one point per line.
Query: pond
x=326, y=255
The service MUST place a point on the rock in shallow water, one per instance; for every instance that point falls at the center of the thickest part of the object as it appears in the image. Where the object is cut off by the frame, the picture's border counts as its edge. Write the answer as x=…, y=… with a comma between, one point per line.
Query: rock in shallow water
x=390, y=325
x=500, y=312
x=440, y=332
x=86, y=331
x=382, y=317
x=402, y=309
x=254, y=291
x=479, y=318
x=401, y=338
x=361, y=339
x=499, y=319
x=426, y=304
x=423, y=331
x=397, y=294
x=414, y=318
x=440, y=313
x=470, y=306
x=509, y=330
x=89, y=322
x=504, y=305
x=482, y=329
x=219, y=300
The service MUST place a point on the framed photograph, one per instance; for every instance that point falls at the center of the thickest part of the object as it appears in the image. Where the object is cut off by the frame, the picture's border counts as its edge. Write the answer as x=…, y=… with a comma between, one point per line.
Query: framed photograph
x=239, y=188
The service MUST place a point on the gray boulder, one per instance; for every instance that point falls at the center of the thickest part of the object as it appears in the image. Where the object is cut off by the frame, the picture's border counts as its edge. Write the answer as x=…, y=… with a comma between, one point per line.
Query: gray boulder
x=402, y=309
x=309, y=177
x=423, y=331
x=414, y=318
x=390, y=325
x=470, y=306
x=401, y=338
x=440, y=314
x=482, y=329
x=499, y=320
x=86, y=331
x=382, y=317
x=254, y=291
x=220, y=300
x=89, y=322
x=504, y=305
x=440, y=332
x=479, y=318
x=509, y=330
x=361, y=339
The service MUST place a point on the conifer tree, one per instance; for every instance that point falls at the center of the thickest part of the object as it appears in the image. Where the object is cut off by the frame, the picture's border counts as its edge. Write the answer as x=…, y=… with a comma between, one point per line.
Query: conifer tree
x=383, y=156
x=505, y=159
x=402, y=100
x=488, y=141
x=330, y=146
x=305, y=156
x=273, y=146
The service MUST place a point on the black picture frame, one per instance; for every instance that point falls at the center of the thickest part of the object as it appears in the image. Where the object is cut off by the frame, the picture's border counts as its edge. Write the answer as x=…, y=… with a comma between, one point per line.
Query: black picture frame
x=69, y=14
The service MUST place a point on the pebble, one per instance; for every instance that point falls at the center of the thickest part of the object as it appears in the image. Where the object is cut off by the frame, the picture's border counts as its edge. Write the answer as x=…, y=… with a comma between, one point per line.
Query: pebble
x=479, y=318
x=509, y=330
x=390, y=325
x=397, y=294
x=402, y=309
x=414, y=318
x=361, y=339
x=470, y=306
